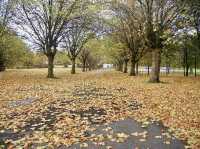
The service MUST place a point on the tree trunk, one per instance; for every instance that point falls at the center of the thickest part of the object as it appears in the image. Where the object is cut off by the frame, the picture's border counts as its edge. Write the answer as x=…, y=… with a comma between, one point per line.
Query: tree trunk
x=184, y=71
x=87, y=67
x=186, y=64
x=187, y=71
x=155, y=72
x=50, y=66
x=195, y=66
x=167, y=69
x=184, y=61
x=73, y=71
x=148, y=71
x=2, y=66
x=125, y=66
x=84, y=66
x=2, y=61
x=137, y=69
x=132, y=71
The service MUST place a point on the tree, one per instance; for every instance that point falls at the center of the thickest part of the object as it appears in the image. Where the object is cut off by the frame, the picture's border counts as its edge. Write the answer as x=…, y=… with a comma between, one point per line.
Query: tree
x=84, y=56
x=16, y=53
x=5, y=11
x=130, y=32
x=6, y=7
x=190, y=54
x=94, y=61
x=126, y=57
x=194, y=11
x=159, y=16
x=42, y=22
x=78, y=32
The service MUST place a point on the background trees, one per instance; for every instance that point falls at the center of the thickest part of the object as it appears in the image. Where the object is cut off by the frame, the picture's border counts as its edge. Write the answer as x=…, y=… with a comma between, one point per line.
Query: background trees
x=84, y=58
x=16, y=53
x=194, y=11
x=6, y=6
x=77, y=33
x=119, y=33
x=130, y=31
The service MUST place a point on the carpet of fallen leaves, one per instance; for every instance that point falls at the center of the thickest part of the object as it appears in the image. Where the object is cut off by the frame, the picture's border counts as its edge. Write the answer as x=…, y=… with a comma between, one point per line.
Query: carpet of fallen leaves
x=53, y=109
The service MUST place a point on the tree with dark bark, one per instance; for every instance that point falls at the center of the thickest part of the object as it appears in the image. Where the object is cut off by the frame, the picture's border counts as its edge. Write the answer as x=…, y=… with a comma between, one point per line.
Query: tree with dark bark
x=159, y=16
x=194, y=11
x=126, y=57
x=78, y=32
x=42, y=22
x=130, y=32
x=84, y=56
x=190, y=54
x=119, y=64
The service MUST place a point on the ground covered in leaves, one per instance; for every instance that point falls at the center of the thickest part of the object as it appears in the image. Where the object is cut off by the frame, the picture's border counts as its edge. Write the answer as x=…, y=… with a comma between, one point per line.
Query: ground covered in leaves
x=73, y=109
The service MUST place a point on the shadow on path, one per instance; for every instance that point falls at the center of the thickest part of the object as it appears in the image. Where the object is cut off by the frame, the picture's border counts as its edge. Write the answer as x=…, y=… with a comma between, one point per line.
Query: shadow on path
x=129, y=134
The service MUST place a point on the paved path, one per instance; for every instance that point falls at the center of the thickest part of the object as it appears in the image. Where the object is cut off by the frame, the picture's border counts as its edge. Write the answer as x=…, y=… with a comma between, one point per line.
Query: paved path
x=154, y=136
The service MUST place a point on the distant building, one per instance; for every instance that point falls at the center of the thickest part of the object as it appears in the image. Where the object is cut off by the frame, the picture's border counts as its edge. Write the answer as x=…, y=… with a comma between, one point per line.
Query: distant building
x=107, y=66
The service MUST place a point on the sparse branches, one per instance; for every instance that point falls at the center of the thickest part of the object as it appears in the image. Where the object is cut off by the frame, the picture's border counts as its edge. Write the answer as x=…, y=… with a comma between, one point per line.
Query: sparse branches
x=42, y=23
x=77, y=33
x=130, y=32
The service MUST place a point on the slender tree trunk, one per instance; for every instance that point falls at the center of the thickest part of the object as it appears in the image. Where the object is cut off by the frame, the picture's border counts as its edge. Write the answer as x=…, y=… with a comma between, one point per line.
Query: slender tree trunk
x=2, y=61
x=137, y=69
x=148, y=70
x=184, y=71
x=125, y=66
x=186, y=63
x=50, y=66
x=84, y=66
x=195, y=66
x=87, y=66
x=187, y=71
x=2, y=66
x=167, y=68
x=73, y=71
x=155, y=72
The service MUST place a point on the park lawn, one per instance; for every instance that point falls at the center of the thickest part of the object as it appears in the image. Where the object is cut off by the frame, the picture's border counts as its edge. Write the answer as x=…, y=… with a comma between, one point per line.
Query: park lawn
x=175, y=102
